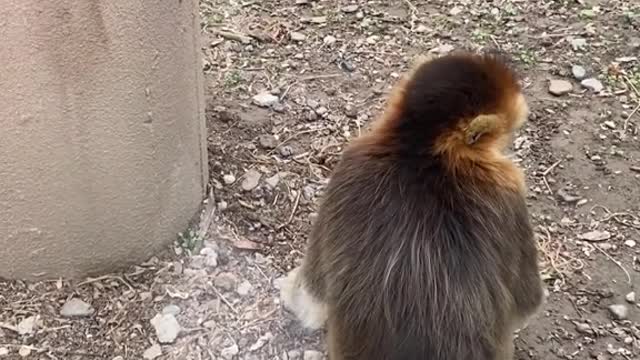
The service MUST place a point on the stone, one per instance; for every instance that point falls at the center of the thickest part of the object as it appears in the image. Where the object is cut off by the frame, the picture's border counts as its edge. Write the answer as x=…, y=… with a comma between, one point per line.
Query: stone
x=265, y=99
x=578, y=72
x=228, y=179
x=321, y=110
x=251, y=180
x=286, y=150
x=455, y=11
x=27, y=325
x=560, y=87
x=229, y=352
x=4, y=351
x=619, y=311
x=631, y=297
x=171, y=309
x=153, y=352
x=595, y=235
x=24, y=351
x=244, y=288
x=592, y=84
x=630, y=243
x=296, y=36
x=610, y=124
x=211, y=257
x=167, y=328
x=294, y=355
x=350, y=9
x=578, y=43
x=273, y=181
x=267, y=141
x=329, y=40
x=76, y=308
x=584, y=328
x=312, y=355
x=225, y=281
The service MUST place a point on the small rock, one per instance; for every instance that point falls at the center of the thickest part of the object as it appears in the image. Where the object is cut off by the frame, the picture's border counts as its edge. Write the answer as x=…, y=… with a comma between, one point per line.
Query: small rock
x=223, y=205
x=76, y=308
x=456, y=10
x=286, y=151
x=261, y=342
x=321, y=110
x=312, y=116
x=312, y=355
x=171, y=309
x=229, y=179
x=167, y=328
x=578, y=43
x=273, y=181
x=244, y=288
x=350, y=111
x=4, y=351
x=251, y=180
x=560, y=87
x=268, y=141
x=584, y=328
x=211, y=256
x=229, y=352
x=595, y=235
x=294, y=355
x=27, y=325
x=631, y=297
x=24, y=351
x=442, y=49
x=619, y=311
x=578, y=72
x=296, y=36
x=318, y=20
x=610, y=124
x=225, y=281
x=312, y=103
x=349, y=9
x=153, y=352
x=630, y=243
x=566, y=197
x=592, y=84
x=118, y=358
x=265, y=99
x=329, y=40
x=373, y=39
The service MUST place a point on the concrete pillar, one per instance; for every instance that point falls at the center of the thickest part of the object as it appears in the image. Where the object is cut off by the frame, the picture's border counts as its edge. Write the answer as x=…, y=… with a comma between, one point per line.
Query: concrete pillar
x=102, y=135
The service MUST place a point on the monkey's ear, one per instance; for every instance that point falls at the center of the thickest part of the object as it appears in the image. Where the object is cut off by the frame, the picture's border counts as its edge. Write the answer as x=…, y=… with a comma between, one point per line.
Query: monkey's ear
x=479, y=126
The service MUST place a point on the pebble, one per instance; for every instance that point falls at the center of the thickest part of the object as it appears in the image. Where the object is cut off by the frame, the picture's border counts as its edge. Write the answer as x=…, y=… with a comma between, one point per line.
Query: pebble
x=268, y=141
x=619, y=311
x=171, y=309
x=229, y=352
x=244, y=288
x=211, y=256
x=167, y=328
x=422, y=28
x=27, y=325
x=296, y=36
x=329, y=40
x=560, y=87
x=456, y=10
x=4, y=351
x=251, y=180
x=76, y=308
x=273, y=181
x=584, y=328
x=631, y=297
x=225, y=281
x=610, y=124
x=578, y=72
x=578, y=43
x=229, y=179
x=286, y=151
x=349, y=9
x=630, y=243
x=312, y=355
x=24, y=351
x=153, y=352
x=261, y=342
x=350, y=111
x=592, y=84
x=595, y=235
x=321, y=110
x=265, y=99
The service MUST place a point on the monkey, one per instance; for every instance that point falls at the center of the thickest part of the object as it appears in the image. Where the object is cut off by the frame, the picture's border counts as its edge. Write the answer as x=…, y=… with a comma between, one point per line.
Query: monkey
x=423, y=247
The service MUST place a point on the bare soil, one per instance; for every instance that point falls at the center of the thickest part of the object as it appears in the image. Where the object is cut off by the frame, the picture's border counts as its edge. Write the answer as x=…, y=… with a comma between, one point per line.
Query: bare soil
x=330, y=65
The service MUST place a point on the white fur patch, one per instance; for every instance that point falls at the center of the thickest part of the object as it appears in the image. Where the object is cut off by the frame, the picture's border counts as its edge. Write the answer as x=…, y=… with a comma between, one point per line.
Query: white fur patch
x=311, y=312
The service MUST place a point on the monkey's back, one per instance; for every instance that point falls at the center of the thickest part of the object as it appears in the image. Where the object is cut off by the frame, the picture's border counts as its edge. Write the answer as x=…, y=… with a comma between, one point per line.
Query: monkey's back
x=419, y=264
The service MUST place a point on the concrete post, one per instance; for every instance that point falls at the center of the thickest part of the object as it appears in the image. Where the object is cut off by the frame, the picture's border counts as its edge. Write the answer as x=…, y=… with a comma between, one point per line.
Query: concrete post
x=102, y=135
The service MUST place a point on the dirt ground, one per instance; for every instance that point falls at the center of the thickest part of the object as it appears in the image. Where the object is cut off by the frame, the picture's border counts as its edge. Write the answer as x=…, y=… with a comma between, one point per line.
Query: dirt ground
x=288, y=84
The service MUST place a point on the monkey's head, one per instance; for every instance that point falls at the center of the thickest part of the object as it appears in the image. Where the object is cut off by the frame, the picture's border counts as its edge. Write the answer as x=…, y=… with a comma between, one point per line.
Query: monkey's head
x=460, y=103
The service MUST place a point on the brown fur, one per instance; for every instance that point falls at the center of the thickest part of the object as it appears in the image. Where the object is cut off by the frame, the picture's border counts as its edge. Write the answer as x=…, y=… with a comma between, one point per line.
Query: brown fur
x=422, y=248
